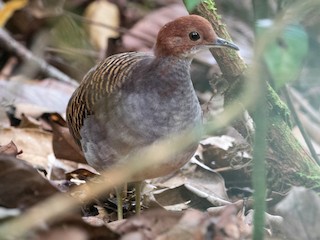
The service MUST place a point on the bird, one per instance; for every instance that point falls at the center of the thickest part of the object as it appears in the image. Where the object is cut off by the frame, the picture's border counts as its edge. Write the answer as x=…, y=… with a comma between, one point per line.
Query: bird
x=132, y=100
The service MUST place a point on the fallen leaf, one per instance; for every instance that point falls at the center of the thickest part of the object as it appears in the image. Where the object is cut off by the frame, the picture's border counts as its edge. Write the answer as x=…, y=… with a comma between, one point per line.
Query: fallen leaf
x=148, y=27
x=34, y=97
x=28, y=122
x=209, y=185
x=224, y=142
x=74, y=228
x=189, y=227
x=10, y=149
x=35, y=144
x=21, y=185
x=64, y=147
x=301, y=213
x=149, y=225
x=198, y=225
x=200, y=189
x=230, y=226
x=80, y=174
x=102, y=12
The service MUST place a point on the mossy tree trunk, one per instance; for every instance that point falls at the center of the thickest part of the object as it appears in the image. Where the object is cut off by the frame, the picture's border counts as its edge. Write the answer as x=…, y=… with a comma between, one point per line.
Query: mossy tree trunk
x=287, y=162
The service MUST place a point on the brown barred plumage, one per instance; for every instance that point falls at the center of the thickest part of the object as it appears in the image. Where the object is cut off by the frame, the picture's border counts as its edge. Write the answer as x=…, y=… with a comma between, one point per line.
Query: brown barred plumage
x=99, y=82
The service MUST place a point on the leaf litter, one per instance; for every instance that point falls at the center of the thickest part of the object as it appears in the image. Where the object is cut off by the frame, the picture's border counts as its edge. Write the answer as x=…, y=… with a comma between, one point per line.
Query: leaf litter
x=38, y=159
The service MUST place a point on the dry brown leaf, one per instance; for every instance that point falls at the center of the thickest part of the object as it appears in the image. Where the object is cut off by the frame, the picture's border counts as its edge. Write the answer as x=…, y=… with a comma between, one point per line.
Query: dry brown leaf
x=172, y=197
x=64, y=146
x=198, y=189
x=149, y=225
x=149, y=26
x=194, y=187
x=10, y=149
x=74, y=228
x=34, y=98
x=220, y=151
x=21, y=186
x=80, y=174
x=209, y=185
x=28, y=122
x=27, y=109
x=105, y=13
x=35, y=144
x=229, y=226
x=198, y=225
x=189, y=227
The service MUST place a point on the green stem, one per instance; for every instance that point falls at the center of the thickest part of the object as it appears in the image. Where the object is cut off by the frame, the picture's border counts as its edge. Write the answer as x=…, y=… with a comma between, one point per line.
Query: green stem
x=259, y=164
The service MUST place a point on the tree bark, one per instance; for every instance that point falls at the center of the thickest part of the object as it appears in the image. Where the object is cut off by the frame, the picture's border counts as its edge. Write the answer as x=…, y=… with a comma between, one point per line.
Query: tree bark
x=287, y=162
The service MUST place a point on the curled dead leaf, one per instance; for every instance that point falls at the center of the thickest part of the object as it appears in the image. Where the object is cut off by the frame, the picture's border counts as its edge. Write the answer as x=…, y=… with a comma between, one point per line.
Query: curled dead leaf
x=64, y=147
x=10, y=149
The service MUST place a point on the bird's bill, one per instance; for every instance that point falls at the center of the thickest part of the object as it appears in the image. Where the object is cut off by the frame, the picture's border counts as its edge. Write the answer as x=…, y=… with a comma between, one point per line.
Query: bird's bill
x=220, y=43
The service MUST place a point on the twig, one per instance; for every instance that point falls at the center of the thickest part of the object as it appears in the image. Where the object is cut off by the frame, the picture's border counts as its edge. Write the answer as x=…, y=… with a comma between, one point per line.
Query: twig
x=9, y=43
x=311, y=127
x=8, y=67
x=299, y=124
x=304, y=104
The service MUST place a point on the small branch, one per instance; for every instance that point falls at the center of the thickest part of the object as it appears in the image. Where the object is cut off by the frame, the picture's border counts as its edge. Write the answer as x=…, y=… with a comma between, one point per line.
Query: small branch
x=9, y=43
x=299, y=124
x=311, y=127
x=305, y=105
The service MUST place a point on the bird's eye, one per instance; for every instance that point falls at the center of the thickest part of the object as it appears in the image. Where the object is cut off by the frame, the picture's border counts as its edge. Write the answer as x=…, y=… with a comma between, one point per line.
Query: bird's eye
x=194, y=36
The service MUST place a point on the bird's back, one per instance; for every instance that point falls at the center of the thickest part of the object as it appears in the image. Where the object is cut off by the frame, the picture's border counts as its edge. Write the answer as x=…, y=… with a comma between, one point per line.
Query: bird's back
x=101, y=81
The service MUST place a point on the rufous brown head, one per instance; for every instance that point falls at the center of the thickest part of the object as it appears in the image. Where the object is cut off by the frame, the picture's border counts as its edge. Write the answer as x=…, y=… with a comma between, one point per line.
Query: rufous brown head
x=186, y=36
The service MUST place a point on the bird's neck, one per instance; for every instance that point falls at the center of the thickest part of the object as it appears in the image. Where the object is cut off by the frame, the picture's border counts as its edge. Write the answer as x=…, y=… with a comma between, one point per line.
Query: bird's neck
x=172, y=73
x=172, y=64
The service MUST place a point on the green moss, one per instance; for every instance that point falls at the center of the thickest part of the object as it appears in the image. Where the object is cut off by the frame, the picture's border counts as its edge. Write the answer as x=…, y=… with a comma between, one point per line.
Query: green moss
x=291, y=163
x=312, y=179
x=278, y=106
x=210, y=5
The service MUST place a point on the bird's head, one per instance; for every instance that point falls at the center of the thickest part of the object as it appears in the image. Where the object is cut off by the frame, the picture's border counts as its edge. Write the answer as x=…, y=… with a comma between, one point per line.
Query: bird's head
x=186, y=36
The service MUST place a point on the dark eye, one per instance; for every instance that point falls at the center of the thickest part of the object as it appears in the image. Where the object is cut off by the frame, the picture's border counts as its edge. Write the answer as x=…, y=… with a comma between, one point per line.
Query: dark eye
x=194, y=36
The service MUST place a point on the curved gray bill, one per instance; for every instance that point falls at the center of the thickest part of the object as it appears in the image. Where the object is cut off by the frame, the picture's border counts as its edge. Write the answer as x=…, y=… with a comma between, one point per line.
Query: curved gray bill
x=224, y=43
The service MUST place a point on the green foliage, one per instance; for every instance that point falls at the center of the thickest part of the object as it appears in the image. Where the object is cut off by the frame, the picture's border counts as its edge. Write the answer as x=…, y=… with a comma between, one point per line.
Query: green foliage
x=191, y=4
x=285, y=56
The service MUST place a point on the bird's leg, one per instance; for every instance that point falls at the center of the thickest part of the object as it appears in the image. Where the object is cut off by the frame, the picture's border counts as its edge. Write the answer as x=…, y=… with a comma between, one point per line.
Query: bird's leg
x=119, y=195
x=137, y=186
